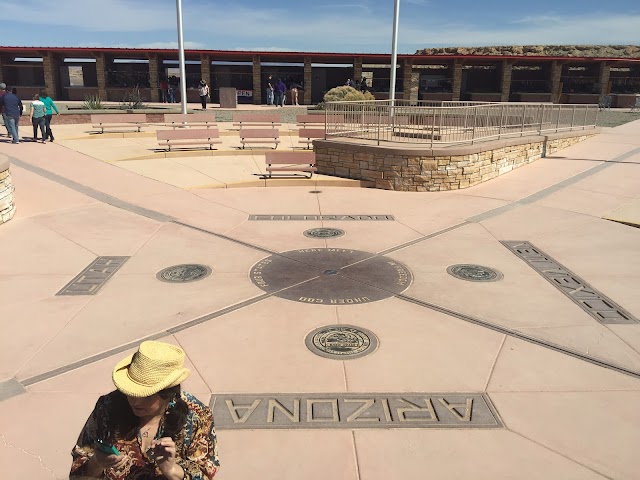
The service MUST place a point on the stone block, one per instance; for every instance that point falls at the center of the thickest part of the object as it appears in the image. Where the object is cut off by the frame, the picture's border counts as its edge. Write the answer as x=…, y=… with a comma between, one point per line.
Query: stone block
x=371, y=174
x=384, y=184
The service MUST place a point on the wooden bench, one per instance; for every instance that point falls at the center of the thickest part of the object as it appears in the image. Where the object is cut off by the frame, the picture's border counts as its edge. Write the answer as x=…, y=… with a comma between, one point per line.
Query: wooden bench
x=176, y=120
x=290, y=162
x=259, y=135
x=188, y=136
x=118, y=120
x=255, y=120
x=308, y=135
x=304, y=120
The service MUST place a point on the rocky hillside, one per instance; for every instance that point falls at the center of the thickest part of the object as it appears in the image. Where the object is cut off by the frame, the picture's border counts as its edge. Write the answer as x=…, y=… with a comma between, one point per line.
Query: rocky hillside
x=600, y=51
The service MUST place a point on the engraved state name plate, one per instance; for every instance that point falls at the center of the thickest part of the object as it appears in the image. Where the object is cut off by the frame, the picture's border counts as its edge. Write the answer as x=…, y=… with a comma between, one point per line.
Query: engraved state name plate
x=341, y=342
x=354, y=410
x=331, y=276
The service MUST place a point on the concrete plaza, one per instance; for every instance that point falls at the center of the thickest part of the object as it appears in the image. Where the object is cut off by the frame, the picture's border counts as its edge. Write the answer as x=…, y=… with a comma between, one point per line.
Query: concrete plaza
x=499, y=380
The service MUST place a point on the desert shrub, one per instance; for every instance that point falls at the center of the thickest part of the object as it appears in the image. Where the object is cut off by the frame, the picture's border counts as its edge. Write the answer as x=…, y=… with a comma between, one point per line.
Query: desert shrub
x=132, y=100
x=347, y=94
x=92, y=102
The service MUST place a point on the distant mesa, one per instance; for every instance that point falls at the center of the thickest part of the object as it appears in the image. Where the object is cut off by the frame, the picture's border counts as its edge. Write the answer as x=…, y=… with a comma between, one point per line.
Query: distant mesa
x=590, y=51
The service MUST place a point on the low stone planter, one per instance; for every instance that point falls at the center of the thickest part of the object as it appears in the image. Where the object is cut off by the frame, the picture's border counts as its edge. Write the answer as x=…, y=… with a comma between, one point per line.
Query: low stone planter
x=7, y=204
x=412, y=168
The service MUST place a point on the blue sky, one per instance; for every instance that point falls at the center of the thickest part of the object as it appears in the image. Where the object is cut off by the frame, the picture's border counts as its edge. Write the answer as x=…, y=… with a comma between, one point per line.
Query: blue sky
x=329, y=26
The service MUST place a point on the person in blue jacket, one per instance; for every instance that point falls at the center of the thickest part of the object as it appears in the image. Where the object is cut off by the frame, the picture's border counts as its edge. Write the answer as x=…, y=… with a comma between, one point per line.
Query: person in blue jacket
x=13, y=110
x=279, y=89
x=49, y=108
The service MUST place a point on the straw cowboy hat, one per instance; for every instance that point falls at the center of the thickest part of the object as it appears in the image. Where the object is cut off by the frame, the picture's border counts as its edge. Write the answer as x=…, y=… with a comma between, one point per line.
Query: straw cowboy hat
x=154, y=367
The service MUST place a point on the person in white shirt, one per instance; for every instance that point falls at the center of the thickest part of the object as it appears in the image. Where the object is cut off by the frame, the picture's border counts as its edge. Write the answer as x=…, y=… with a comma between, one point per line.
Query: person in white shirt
x=203, y=90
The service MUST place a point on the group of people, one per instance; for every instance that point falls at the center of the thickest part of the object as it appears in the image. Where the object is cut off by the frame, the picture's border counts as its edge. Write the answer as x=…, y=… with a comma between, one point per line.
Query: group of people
x=277, y=92
x=40, y=113
x=361, y=85
x=168, y=88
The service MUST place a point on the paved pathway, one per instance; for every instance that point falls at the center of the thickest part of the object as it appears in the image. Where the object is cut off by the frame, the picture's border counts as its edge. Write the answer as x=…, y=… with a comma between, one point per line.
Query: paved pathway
x=499, y=380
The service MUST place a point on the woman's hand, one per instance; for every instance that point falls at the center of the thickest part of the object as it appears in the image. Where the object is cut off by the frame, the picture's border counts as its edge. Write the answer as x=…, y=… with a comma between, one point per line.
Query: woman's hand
x=165, y=456
x=104, y=461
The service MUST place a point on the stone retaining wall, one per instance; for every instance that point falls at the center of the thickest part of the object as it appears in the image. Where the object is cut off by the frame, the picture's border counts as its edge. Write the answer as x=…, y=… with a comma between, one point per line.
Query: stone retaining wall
x=7, y=204
x=429, y=170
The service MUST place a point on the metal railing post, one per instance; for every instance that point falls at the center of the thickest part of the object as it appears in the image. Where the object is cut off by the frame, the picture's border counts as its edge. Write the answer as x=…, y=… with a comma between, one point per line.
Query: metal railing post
x=379, y=122
x=433, y=126
x=558, y=121
x=524, y=116
x=475, y=121
x=541, y=119
x=586, y=112
x=501, y=121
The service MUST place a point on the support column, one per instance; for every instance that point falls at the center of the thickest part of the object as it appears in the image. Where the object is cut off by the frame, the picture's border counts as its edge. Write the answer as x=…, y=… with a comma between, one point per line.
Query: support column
x=154, y=83
x=605, y=73
x=357, y=70
x=257, y=80
x=307, y=81
x=411, y=81
x=556, y=81
x=1, y=69
x=456, y=81
x=101, y=73
x=505, y=82
x=205, y=70
x=51, y=65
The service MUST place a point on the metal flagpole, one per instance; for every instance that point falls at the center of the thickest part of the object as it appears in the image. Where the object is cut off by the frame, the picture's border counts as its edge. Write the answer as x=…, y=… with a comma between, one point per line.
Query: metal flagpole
x=183, y=70
x=394, y=53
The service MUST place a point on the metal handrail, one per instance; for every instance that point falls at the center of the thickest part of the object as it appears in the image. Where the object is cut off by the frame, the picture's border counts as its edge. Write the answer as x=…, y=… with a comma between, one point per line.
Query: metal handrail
x=439, y=123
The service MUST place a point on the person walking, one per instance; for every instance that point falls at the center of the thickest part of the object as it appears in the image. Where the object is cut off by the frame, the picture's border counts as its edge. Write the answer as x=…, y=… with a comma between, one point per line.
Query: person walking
x=149, y=427
x=164, y=90
x=3, y=87
x=13, y=110
x=37, y=112
x=294, y=92
x=279, y=90
x=203, y=90
x=270, y=95
x=49, y=108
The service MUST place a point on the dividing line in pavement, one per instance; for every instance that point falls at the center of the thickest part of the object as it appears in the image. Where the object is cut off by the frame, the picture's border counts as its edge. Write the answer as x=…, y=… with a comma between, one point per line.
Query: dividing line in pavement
x=90, y=192
x=518, y=335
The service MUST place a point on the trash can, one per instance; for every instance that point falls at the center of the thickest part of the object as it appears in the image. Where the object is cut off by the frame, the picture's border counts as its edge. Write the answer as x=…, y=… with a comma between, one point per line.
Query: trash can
x=228, y=97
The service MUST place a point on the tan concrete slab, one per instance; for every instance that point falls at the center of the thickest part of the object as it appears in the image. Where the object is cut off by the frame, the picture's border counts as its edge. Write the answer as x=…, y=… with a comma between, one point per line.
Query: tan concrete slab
x=370, y=236
x=629, y=333
x=35, y=195
x=495, y=454
x=265, y=201
x=278, y=236
x=189, y=208
x=49, y=251
x=587, y=203
x=41, y=320
x=52, y=415
x=529, y=179
x=522, y=299
x=597, y=429
x=629, y=214
x=525, y=367
x=415, y=353
x=262, y=349
x=226, y=169
x=169, y=172
x=18, y=289
x=102, y=229
x=532, y=221
x=620, y=179
x=133, y=306
x=291, y=454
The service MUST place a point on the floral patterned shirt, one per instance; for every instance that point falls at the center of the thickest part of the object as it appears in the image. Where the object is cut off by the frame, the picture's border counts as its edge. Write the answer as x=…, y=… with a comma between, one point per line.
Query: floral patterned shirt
x=196, y=446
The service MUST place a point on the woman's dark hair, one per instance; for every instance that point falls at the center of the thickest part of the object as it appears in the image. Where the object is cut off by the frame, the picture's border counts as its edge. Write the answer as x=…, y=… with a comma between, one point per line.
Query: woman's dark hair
x=124, y=423
x=44, y=93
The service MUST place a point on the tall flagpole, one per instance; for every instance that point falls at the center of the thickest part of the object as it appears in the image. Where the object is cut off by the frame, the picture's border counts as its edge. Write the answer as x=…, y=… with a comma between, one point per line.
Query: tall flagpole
x=183, y=70
x=394, y=52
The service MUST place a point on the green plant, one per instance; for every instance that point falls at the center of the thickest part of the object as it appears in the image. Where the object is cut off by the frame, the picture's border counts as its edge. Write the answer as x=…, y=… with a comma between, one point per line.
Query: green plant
x=132, y=100
x=92, y=102
x=347, y=94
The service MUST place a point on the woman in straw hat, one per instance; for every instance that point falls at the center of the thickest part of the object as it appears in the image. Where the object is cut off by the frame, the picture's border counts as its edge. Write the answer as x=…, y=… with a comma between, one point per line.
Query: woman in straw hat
x=154, y=429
